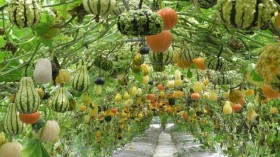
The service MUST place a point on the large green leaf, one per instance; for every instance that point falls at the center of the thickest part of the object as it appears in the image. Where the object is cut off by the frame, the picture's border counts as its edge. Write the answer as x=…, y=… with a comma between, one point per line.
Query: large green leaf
x=34, y=148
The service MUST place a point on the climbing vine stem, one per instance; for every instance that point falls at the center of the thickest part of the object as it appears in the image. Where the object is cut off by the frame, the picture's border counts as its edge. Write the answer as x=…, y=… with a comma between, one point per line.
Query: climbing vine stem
x=31, y=58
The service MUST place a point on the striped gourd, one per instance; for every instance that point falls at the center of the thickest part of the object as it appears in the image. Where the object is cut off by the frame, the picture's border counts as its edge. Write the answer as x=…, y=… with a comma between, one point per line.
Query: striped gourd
x=24, y=13
x=59, y=101
x=206, y=4
x=162, y=58
x=81, y=79
x=12, y=123
x=27, y=99
x=103, y=63
x=221, y=79
x=140, y=23
x=99, y=7
x=216, y=63
x=246, y=14
x=188, y=53
x=158, y=67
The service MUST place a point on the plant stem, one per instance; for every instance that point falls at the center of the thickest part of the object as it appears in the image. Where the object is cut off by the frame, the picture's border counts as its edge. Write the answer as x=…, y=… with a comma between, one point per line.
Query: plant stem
x=27, y=65
x=2, y=7
x=140, y=4
x=125, y=5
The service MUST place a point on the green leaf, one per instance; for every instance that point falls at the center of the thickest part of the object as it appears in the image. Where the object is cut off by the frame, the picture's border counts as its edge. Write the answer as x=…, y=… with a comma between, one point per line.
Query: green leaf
x=34, y=148
x=189, y=74
x=138, y=77
x=256, y=77
x=2, y=41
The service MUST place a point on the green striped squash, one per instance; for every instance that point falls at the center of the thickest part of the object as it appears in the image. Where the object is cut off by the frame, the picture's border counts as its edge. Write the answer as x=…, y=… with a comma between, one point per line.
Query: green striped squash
x=140, y=23
x=24, y=13
x=158, y=67
x=12, y=123
x=59, y=101
x=216, y=63
x=188, y=53
x=99, y=7
x=246, y=14
x=81, y=79
x=27, y=99
x=103, y=63
x=162, y=58
x=221, y=79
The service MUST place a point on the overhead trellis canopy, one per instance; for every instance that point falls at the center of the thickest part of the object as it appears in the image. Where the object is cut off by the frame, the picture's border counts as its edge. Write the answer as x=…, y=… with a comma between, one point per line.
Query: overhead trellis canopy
x=111, y=65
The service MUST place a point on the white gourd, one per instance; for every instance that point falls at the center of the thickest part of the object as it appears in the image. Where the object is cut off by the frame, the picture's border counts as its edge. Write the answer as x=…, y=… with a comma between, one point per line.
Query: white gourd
x=11, y=149
x=43, y=71
x=49, y=132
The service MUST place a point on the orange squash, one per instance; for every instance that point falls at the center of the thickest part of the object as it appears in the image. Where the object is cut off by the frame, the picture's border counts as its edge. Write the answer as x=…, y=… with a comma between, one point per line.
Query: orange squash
x=160, y=42
x=169, y=16
x=269, y=92
x=236, y=107
x=195, y=96
x=199, y=63
x=30, y=118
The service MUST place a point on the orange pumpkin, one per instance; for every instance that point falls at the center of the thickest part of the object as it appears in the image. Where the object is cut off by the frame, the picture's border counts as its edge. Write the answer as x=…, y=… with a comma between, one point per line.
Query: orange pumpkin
x=160, y=87
x=151, y=97
x=114, y=110
x=199, y=63
x=236, y=107
x=195, y=96
x=160, y=42
x=30, y=118
x=169, y=17
x=269, y=92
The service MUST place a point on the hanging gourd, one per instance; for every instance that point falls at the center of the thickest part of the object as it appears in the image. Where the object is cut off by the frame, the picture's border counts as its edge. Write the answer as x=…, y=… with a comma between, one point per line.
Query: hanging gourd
x=188, y=53
x=12, y=123
x=163, y=58
x=169, y=17
x=29, y=118
x=43, y=71
x=81, y=79
x=99, y=7
x=216, y=63
x=206, y=4
x=220, y=79
x=59, y=102
x=24, y=13
x=99, y=82
x=49, y=132
x=103, y=63
x=11, y=149
x=140, y=23
x=160, y=42
x=27, y=99
x=246, y=14
x=268, y=65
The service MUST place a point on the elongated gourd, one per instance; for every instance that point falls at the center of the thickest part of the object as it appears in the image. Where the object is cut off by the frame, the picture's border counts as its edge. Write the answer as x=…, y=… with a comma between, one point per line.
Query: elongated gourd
x=27, y=99
x=81, y=79
x=43, y=71
x=12, y=123
x=59, y=101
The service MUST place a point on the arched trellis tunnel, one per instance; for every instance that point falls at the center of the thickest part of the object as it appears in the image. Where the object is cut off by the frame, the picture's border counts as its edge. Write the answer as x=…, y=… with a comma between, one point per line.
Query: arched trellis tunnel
x=84, y=77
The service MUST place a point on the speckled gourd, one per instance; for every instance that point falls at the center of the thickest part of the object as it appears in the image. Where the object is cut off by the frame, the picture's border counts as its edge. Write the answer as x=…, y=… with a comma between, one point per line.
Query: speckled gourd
x=24, y=13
